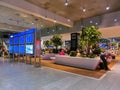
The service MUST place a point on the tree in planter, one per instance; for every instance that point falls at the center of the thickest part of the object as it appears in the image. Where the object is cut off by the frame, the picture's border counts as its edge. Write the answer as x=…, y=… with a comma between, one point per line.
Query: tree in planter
x=46, y=43
x=56, y=41
x=89, y=37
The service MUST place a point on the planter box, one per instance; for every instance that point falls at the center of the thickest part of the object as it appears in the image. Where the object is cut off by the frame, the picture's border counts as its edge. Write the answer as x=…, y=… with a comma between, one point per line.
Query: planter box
x=87, y=63
x=47, y=56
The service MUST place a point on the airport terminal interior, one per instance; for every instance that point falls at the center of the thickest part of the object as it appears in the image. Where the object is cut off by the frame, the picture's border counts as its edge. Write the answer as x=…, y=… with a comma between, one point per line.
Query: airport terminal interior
x=59, y=44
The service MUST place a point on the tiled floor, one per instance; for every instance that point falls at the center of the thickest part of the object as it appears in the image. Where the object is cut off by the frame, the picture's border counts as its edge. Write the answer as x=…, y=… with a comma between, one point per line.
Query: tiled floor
x=19, y=76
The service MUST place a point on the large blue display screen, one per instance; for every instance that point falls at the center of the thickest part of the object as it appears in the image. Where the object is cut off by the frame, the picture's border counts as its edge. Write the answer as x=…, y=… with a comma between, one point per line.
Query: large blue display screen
x=11, y=41
x=21, y=40
x=11, y=49
x=29, y=49
x=16, y=40
x=29, y=38
x=21, y=49
x=16, y=49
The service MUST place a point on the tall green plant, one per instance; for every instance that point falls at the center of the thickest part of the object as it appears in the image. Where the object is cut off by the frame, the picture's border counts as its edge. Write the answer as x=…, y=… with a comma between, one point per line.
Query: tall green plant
x=57, y=40
x=46, y=43
x=89, y=37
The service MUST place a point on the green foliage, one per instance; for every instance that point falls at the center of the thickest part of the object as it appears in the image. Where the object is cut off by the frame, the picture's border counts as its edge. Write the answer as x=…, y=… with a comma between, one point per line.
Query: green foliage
x=57, y=40
x=91, y=55
x=46, y=43
x=73, y=53
x=89, y=37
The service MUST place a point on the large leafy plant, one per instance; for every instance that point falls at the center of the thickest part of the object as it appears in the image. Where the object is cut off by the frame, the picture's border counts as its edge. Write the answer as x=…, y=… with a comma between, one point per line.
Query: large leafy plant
x=57, y=40
x=89, y=37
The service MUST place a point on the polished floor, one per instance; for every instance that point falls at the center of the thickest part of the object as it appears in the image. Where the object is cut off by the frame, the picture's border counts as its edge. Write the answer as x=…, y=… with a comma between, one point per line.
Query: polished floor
x=20, y=76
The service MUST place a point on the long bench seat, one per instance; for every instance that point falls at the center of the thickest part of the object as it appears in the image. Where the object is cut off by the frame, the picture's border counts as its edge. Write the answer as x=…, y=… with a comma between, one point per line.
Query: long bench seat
x=87, y=63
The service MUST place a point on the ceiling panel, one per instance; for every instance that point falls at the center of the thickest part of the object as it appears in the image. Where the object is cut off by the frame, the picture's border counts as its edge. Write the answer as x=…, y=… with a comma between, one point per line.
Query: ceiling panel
x=74, y=10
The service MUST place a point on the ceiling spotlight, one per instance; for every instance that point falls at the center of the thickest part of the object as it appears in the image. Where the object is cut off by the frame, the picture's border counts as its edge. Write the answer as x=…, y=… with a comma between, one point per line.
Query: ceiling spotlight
x=107, y=7
x=96, y=23
x=33, y=23
x=41, y=25
x=11, y=36
x=66, y=3
x=53, y=30
x=115, y=20
x=55, y=21
x=60, y=28
x=68, y=20
x=84, y=10
x=91, y=21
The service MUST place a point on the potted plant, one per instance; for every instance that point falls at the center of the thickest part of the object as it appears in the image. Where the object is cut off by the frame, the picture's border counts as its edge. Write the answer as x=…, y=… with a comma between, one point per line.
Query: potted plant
x=57, y=41
x=73, y=53
x=89, y=37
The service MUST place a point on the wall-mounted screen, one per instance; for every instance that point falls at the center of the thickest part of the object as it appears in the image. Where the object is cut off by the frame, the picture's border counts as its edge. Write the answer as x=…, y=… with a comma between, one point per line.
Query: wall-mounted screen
x=16, y=40
x=16, y=49
x=29, y=49
x=21, y=49
x=11, y=49
x=29, y=38
x=21, y=40
x=11, y=41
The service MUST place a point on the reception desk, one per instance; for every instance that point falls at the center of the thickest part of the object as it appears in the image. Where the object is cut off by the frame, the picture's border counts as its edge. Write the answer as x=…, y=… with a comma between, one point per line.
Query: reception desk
x=80, y=62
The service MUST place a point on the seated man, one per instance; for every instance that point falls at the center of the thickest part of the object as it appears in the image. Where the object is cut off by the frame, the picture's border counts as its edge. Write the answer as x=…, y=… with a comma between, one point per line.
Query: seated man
x=104, y=58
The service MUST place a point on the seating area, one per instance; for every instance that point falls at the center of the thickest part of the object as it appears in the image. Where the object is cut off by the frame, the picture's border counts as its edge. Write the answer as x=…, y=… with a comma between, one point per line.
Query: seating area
x=80, y=62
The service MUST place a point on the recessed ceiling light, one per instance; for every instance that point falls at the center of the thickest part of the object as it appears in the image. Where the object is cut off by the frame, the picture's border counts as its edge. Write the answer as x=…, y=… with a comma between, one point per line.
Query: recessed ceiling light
x=41, y=25
x=68, y=20
x=107, y=7
x=84, y=10
x=60, y=28
x=55, y=21
x=66, y=3
x=33, y=23
x=96, y=23
x=91, y=21
x=53, y=30
x=115, y=20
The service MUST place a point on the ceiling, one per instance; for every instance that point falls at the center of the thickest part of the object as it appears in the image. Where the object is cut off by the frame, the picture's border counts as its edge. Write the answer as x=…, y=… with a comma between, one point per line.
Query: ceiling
x=18, y=20
x=13, y=19
x=74, y=10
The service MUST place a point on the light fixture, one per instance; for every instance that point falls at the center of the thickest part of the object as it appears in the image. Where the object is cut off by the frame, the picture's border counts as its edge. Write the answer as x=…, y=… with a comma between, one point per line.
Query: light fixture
x=53, y=30
x=60, y=28
x=33, y=23
x=84, y=10
x=115, y=20
x=66, y=3
x=55, y=21
x=96, y=23
x=68, y=20
x=11, y=36
x=107, y=7
x=91, y=21
x=41, y=25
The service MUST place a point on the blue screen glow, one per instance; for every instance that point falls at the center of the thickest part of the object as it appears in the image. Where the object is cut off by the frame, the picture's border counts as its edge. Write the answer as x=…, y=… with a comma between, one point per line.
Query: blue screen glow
x=29, y=38
x=29, y=49
x=16, y=49
x=21, y=40
x=11, y=49
x=21, y=49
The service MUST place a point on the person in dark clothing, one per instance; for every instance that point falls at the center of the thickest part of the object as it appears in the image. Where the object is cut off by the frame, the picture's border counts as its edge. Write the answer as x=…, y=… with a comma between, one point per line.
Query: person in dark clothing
x=104, y=57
